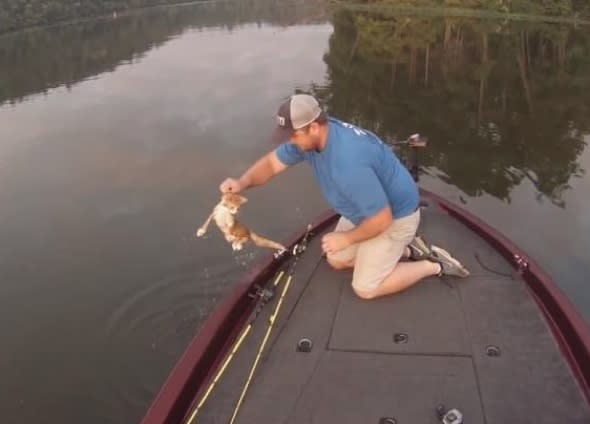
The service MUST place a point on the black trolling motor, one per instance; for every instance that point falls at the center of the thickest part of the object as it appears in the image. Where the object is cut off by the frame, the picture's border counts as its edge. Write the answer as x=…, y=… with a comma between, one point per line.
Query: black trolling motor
x=415, y=142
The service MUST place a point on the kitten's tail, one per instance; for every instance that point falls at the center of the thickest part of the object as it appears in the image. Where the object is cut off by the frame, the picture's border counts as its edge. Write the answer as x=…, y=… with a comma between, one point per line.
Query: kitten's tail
x=264, y=242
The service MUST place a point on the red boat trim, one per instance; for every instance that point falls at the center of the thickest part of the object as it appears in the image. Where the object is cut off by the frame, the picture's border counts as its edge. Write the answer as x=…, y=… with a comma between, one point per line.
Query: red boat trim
x=196, y=367
x=569, y=328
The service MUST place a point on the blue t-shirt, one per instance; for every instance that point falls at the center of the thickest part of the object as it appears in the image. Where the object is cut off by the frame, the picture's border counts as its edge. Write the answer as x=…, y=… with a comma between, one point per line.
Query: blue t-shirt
x=357, y=173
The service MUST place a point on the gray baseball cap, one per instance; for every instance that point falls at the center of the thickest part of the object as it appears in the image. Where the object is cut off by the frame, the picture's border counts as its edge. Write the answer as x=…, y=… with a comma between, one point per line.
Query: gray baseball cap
x=293, y=114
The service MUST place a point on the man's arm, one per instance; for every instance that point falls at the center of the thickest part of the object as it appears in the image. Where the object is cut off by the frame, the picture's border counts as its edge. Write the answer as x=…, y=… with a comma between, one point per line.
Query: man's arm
x=371, y=227
x=263, y=170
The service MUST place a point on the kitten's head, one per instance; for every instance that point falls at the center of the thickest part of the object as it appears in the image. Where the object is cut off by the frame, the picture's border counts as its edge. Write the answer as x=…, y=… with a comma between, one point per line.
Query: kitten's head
x=233, y=201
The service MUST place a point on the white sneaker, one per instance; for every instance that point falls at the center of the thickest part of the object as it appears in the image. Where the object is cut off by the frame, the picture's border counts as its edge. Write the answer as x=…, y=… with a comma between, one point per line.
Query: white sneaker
x=448, y=264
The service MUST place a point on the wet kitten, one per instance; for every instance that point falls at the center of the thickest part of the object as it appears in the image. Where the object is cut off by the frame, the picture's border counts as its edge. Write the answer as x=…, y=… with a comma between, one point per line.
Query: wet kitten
x=235, y=233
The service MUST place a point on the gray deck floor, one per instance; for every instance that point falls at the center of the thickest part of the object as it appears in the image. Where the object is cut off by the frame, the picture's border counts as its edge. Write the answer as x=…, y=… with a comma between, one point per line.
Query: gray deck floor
x=356, y=373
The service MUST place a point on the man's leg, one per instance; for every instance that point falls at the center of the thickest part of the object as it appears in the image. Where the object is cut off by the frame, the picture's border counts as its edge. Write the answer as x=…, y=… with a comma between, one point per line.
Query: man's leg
x=404, y=275
x=416, y=250
x=339, y=263
x=377, y=276
x=345, y=258
x=378, y=271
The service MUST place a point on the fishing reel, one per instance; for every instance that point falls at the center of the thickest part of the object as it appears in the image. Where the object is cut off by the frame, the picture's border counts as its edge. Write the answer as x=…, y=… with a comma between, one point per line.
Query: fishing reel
x=301, y=247
x=263, y=293
x=298, y=248
x=294, y=251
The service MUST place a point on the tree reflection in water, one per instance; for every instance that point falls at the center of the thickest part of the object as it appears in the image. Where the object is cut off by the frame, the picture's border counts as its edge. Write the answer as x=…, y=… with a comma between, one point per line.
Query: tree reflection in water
x=500, y=101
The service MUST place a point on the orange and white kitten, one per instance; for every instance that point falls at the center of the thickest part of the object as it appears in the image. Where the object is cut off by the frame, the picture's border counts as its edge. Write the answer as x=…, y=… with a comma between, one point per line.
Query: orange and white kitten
x=224, y=214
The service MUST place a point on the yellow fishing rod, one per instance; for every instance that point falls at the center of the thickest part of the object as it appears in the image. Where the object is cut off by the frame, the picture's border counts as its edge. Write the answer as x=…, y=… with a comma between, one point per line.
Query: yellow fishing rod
x=297, y=251
x=264, y=296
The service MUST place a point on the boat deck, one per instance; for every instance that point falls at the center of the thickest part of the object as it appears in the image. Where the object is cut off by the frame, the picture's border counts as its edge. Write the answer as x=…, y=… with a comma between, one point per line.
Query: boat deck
x=400, y=356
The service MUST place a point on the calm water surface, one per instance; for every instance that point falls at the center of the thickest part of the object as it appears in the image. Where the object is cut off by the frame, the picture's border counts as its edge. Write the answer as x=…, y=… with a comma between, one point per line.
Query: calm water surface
x=114, y=137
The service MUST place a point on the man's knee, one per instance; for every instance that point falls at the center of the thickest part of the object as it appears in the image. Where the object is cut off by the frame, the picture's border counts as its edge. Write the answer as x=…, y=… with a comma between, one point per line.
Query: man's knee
x=365, y=289
x=340, y=264
x=364, y=293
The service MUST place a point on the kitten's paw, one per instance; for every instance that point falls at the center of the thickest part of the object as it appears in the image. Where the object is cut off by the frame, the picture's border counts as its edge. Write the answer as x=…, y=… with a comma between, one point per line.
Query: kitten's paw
x=200, y=232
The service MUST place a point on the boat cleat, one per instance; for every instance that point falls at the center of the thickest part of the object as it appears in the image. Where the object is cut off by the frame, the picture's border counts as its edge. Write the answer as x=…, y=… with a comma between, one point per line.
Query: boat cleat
x=451, y=416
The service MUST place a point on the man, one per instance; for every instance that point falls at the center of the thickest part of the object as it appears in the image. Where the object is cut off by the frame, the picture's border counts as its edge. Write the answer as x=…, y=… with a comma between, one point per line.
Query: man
x=363, y=181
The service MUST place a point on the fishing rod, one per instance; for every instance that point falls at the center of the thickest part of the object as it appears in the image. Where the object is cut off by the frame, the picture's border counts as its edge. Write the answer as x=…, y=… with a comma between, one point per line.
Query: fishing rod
x=264, y=296
x=297, y=251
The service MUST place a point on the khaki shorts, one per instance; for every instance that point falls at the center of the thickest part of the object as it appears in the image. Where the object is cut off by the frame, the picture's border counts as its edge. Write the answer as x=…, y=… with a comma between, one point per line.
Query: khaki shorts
x=375, y=258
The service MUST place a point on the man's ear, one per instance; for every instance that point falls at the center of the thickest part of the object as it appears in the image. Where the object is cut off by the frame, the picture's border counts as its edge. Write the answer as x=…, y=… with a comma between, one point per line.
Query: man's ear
x=314, y=128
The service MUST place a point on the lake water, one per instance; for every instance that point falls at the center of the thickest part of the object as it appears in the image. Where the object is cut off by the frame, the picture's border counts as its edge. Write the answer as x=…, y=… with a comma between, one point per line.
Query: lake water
x=115, y=135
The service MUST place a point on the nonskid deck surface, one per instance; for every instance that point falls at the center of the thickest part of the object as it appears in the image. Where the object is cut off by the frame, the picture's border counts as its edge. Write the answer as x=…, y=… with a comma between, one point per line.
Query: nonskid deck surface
x=401, y=356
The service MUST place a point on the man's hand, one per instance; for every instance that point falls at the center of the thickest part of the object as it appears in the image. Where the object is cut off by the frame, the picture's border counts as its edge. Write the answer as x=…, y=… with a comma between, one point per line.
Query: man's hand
x=335, y=241
x=231, y=185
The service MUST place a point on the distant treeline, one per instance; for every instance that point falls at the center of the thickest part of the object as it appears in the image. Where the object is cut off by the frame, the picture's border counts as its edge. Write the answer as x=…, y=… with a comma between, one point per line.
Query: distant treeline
x=34, y=62
x=17, y=14
x=554, y=8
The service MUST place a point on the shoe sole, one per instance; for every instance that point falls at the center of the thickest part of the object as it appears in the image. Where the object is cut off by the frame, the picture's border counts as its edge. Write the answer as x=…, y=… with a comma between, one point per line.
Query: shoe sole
x=447, y=256
x=420, y=245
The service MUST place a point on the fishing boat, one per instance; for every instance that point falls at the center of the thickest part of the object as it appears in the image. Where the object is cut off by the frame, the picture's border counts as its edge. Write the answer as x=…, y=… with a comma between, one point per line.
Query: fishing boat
x=292, y=343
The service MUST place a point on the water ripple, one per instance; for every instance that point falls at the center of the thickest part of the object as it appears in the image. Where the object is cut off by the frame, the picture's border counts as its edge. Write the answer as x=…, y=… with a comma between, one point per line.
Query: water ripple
x=150, y=329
